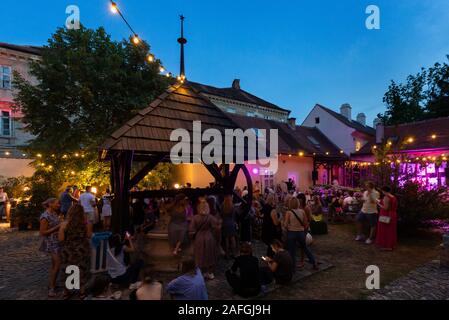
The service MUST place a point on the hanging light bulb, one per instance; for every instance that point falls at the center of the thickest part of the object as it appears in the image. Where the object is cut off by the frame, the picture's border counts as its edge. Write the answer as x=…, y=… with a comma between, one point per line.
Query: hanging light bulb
x=168, y=75
x=410, y=140
x=113, y=7
x=301, y=154
x=150, y=58
x=161, y=69
x=178, y=78
x=136, y=39
x=434, y=136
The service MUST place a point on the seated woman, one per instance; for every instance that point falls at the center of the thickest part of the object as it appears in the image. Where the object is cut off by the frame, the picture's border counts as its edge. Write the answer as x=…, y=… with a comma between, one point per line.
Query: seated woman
x=280, y=267
x=189, y=286
x=247, y=282
x=317, y=224
x=115, y=260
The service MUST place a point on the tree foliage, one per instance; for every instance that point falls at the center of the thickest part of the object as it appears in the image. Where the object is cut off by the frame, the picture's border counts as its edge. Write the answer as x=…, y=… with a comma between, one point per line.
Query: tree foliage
x=423, y=96
x=86, y=85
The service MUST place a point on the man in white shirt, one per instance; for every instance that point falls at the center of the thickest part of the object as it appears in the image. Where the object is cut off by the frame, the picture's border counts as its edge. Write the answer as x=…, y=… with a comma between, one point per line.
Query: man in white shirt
x=88, y=201
x=368, y=213
x=3, y=201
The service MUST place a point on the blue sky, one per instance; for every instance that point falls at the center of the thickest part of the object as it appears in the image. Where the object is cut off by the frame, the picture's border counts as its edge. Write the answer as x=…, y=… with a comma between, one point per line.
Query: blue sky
x=294, y=53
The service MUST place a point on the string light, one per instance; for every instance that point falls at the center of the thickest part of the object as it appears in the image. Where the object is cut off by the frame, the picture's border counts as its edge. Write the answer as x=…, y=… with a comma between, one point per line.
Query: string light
x=410, y=140
x=341, y=151
x=39, y=155
x=434, y=136
x=7, y=153
x=113, y=7
x=327, y=153
x=301, y=154
x=136, y=39
x=161, y=69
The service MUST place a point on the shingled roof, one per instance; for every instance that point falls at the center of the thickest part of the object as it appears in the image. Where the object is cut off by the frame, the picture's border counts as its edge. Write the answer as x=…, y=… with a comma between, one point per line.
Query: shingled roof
x=235, y=94
x=421, y=132
x=350, y=123
x=149, y=131
x=26, y=49
x=292, y=140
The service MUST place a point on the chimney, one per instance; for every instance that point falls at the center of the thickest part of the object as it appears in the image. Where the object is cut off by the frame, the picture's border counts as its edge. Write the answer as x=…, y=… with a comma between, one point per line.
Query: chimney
x=380, y=132
x=236, y=84
x=376, y=122
x=292, y=123
x=361, y=118
x=345, y=110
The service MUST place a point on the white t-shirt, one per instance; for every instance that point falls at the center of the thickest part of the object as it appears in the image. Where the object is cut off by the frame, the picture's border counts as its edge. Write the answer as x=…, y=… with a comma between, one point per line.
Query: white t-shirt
x=3, y=197
x=86, y=200
x=348, y=200
x=369, y=202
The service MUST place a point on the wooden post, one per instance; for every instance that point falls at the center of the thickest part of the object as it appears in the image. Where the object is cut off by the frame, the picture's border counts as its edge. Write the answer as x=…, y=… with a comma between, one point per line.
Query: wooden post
x=121, y=163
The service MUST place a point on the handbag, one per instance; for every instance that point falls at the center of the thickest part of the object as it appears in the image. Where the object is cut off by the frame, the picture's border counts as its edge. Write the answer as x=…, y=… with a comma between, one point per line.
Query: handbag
x=385, y=219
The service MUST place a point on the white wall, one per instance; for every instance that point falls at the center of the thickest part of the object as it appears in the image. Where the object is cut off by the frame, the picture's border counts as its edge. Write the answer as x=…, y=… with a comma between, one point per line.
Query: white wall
x=15, y=167
x=333, y=129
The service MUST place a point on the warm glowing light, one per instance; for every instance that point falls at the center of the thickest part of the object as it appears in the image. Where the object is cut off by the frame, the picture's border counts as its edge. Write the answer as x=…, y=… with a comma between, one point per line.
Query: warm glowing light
x=136, y=39
x=7, y=153
x=177, y=186
x=64, y=156
x=179, y=78
x=255, y=171
x=168, y=75
x=77, y=154
x=26, y=189
x=327, y=153
x=161, y=69
x=444, y=158
x=94, y=190
x=374, y=147
x=24, y=155
x=398, y=161
x=72, y=173
x=341, y=151
x=289, y=155
x=434, y=136
x=39, y=155
x=301, y=154
x=410, y=140
x=390, y=143
x=150, y=58
x=113, y=7
x=50, y=167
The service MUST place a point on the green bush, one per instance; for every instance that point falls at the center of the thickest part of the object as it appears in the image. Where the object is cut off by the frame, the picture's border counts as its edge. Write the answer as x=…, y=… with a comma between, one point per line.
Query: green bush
x=417, y=205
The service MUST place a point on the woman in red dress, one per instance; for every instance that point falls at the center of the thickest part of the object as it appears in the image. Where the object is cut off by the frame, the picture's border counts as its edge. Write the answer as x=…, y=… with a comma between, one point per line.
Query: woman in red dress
x=386, y=237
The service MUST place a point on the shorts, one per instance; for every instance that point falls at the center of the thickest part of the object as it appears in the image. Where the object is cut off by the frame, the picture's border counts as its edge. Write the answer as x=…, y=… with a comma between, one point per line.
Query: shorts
x=90, y=217
x=370, y=217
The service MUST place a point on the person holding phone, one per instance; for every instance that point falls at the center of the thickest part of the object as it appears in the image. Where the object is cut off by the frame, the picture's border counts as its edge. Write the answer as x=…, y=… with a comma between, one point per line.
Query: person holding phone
x=120, y=273
x=280, y=267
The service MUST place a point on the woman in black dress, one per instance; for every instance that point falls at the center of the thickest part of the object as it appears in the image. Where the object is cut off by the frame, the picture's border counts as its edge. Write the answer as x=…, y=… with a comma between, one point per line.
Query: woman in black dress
x=271, y=226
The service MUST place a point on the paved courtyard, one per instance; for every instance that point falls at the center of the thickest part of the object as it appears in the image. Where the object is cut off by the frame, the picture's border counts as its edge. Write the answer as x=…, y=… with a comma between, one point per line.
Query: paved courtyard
x=405, y=273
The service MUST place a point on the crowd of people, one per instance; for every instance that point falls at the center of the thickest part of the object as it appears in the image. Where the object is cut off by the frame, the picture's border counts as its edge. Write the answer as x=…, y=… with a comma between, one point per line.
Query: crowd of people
x=217, y=227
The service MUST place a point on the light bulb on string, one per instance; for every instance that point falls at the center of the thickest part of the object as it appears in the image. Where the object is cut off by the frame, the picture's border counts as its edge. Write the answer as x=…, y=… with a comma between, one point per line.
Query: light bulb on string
x=136, y=39
x=161, y=69
x=150, y=58
x=113, y=7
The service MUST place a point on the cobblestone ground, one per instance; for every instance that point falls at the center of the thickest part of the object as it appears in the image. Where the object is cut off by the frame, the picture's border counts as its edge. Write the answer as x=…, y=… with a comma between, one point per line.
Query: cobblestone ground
x=24, y=270
x=429, y=282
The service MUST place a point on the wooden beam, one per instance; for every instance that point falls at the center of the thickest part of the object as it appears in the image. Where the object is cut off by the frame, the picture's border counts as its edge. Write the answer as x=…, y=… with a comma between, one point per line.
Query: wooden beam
x=144, y=171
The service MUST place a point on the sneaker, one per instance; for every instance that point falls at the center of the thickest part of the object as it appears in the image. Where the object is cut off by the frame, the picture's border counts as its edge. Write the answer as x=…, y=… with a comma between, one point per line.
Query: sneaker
x=368, y=241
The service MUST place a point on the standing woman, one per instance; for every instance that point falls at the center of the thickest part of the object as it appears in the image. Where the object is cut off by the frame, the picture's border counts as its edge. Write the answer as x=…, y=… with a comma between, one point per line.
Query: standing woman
x=386, y=237
x=177, y=227
x=296, y=223
x=74, y=235
x=271, y=225
x=229, y=226
x=49, y=226
x=212, y=202
x=204, y=246
x=106, y=211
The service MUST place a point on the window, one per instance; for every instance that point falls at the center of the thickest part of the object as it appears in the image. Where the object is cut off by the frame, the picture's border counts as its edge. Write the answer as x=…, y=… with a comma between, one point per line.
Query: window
x=268, y=179
x=317, y=120
x=5, y=124
x=5, y=77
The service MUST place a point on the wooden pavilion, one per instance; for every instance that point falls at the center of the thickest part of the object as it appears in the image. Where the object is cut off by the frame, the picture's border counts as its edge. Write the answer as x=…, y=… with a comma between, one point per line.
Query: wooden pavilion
x=146, y=139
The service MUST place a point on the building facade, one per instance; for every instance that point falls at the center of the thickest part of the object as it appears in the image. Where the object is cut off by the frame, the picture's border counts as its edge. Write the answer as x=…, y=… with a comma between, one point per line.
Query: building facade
x=13, y=58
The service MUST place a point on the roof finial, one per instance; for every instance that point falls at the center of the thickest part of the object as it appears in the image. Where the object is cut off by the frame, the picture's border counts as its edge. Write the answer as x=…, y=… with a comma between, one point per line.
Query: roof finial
x=182, y=41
